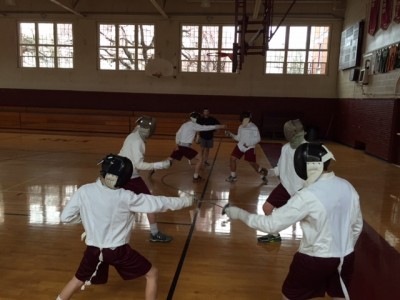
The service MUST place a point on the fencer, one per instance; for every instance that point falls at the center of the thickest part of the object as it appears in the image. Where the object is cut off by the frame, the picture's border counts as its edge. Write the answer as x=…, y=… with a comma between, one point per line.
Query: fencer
x=134, y=148
x=248, y=136
x=329, y=213
x=290, y=182
x=184, y=139
x=106, y=212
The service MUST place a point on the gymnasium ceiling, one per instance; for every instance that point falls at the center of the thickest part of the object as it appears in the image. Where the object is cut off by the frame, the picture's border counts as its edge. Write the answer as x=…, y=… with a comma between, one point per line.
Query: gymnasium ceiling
x=171, y=8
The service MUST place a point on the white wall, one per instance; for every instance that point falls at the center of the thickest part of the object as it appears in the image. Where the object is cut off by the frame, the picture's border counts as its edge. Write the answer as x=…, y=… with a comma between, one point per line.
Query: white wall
x=85, y=77
x=380, y=85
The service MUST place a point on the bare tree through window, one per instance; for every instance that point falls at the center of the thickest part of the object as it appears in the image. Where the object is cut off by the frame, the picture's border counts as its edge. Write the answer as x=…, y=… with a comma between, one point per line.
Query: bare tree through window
x=207, y=49
x=46, y=45
x=125, y=46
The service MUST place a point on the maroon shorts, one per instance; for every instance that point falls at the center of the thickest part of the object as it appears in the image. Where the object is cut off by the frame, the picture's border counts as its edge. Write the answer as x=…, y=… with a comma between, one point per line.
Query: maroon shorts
x=279, y=196
x=137, y=185
x=183, y=151
x=129, y=264
x=249, y=155
x=311, y=277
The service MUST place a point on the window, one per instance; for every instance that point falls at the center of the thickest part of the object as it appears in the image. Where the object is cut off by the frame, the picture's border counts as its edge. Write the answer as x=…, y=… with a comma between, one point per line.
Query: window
x=298, y=50
x=125, y=46
x=46, y=45
x=207, y=48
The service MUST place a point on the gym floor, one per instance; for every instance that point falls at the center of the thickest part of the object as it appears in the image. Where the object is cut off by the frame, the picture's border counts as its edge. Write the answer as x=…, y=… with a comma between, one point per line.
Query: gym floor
x=209, y=257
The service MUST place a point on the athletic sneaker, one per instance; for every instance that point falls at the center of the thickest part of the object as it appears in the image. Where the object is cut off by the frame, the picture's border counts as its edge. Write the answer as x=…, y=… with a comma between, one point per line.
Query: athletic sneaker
x=231, y=178
x=269, y=238
x=264, y=179
x=160, y=238
x=197, y=179
x=263, y=172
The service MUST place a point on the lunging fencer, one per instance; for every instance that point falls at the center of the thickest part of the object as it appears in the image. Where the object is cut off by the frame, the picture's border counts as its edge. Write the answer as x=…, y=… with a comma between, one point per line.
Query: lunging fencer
x=290, y=182
x=248, y=136
x=184, y=140
x=134, y=148
x=329, y=213
x=107, y=213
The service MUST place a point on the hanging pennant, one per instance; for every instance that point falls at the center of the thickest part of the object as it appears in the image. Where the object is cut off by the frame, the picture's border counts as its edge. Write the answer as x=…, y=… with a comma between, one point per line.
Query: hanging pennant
x=374, y=16
x=396, y=17
x=386, y=16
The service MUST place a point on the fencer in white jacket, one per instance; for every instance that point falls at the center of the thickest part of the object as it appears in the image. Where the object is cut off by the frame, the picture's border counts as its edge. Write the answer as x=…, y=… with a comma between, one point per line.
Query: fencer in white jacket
x=247, y=137
x=134, y=148
x=107, y=213
x=290, y=182
x=328, y=210
x=184, y=138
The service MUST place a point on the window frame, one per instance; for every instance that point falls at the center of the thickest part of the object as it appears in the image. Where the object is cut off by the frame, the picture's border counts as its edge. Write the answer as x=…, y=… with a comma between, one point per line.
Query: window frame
x=221, y=55
x=139, y=63
x=37, y=45
x=308, y=50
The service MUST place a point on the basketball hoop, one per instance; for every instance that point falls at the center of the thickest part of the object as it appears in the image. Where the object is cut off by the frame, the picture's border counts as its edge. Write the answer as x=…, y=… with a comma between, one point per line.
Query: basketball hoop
x=221, y=54
x=157, y=74
x=159, y=67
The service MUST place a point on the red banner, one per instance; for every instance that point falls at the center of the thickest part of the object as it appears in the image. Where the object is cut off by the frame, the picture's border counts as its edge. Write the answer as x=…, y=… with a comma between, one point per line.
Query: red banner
x=386, y=16
x=374, y=16
x=397, y=12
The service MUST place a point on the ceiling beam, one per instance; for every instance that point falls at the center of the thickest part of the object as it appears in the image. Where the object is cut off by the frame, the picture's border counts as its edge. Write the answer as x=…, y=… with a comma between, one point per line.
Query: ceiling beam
x=67, y=8
x=158, y=7
x=256, y=9
x=75, y=3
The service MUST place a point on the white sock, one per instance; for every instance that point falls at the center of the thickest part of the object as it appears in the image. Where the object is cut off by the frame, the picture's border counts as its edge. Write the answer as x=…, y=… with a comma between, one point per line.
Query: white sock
x=58, y=297
x=154, y=229
x=195, y=175
x=233, y=174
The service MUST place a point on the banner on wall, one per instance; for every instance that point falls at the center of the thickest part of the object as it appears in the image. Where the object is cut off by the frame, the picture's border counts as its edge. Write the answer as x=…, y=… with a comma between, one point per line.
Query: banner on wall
x=374, y=16
x=386, y=16
x=397, y=12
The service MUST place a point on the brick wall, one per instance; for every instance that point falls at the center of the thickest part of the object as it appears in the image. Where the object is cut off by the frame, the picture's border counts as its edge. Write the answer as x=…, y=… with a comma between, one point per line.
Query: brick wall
x=367, y=124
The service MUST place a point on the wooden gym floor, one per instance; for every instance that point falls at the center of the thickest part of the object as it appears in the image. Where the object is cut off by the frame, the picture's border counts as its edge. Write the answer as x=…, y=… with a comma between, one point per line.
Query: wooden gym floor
x=210, y=257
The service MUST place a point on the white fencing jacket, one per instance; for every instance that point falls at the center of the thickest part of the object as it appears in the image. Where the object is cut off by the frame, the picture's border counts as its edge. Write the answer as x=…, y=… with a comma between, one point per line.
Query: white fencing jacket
x=329, y=214
x=248, y=135
x=187, y=132
x=286, y=172
x=134, y=148
x=107, y=214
